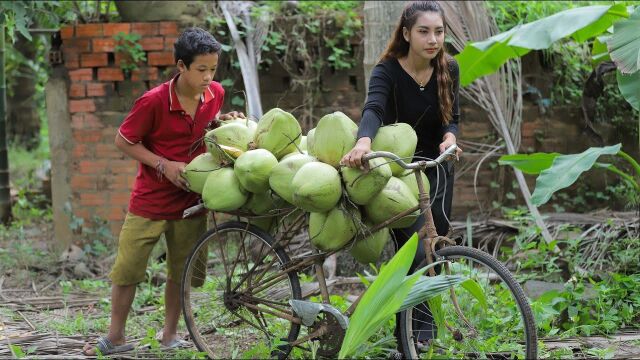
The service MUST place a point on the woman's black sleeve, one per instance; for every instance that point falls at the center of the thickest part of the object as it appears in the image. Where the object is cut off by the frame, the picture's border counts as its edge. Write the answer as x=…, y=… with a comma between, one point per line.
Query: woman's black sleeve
x=454, y=70
x=380, y=85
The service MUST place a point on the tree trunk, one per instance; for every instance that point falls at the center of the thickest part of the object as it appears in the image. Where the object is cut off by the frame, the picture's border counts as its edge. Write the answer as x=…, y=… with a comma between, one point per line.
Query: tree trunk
x=380, y=20
x=5, y=199
x=23, y=125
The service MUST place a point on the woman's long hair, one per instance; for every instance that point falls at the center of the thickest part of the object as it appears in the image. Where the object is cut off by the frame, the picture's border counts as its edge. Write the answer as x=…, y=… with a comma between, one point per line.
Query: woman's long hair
x=398, y=47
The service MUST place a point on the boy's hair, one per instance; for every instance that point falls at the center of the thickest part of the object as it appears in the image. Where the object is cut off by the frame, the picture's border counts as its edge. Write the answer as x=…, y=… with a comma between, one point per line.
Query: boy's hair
x=193, y=42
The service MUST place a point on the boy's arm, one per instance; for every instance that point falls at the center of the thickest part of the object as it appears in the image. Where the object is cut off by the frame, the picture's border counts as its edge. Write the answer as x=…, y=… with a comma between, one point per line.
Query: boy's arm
x=172, y=170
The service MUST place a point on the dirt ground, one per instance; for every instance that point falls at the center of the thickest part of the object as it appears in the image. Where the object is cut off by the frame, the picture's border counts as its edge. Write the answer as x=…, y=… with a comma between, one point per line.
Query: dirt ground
x=44, y=315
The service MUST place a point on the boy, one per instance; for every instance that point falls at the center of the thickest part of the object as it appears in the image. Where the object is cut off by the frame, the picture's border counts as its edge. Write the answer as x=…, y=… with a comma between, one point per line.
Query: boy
x=160, y=132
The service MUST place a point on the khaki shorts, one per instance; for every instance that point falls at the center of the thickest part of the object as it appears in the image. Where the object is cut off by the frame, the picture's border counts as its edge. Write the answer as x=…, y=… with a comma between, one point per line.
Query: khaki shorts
x=138, y=237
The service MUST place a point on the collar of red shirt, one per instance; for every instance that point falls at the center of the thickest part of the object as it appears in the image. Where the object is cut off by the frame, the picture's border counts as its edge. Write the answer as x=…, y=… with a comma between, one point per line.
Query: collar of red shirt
x=174, y=103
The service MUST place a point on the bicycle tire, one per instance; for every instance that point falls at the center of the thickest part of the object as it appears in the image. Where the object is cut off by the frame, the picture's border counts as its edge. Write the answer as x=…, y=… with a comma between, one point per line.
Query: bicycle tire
x=406, y=334
x=203, y=330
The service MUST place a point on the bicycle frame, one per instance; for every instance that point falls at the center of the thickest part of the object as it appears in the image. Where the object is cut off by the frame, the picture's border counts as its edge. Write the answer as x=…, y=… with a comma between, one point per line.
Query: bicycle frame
x=427, y=234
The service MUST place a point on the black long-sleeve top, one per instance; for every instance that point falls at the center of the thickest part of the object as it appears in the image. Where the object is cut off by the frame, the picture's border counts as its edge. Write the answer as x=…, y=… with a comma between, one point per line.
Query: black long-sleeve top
x=394, y=96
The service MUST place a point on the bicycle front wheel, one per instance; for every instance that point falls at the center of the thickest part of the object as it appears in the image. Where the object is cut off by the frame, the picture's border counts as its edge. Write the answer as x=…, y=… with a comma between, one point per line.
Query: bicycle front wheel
x=235, y=296
x=494, y=323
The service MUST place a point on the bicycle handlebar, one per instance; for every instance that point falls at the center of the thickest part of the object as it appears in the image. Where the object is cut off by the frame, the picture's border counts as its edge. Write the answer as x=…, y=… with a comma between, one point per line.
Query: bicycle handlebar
x=449, y=152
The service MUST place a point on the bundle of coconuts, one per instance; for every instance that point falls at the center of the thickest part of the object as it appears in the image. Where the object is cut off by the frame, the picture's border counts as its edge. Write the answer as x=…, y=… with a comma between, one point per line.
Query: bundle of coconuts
x=264, y=166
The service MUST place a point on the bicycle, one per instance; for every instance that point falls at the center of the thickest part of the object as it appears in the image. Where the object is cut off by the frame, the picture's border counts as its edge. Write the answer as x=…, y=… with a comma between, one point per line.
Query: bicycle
x=240, y=282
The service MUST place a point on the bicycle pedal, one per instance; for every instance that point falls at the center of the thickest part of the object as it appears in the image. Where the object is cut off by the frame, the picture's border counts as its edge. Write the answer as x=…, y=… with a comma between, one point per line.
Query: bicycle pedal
x=308, y=312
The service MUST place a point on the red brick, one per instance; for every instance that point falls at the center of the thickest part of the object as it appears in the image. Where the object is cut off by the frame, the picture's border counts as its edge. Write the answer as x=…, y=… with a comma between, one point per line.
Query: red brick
x=122, y=182
x=86, y=136
x=169, y=41
x=105, y=151
x=81, y=75
x=77, y=45
x=92, y=199
x=125, y=166
x=152, y=43
x=66, y=32
x=157, y=58
x=90, y=121
x=84, y=182
x=150, y=73
x=71, y=60
x=94, y=60
x=115, y=28
x=103, y=45
x=116, y=226
x=116, y=213
x=144, y=29
x=83, y=213
x=77, y=90
x=168, y=28
x=119, y=198
x=84, y=105
x=96, y=89
x=94, y=166
x=80, y=150
x=89, y=30
x=110, y=74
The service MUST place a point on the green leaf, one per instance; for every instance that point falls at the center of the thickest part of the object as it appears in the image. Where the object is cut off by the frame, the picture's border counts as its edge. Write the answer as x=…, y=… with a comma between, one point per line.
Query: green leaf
x=599, y=50
x=428, y=287
x=565, y=171
x=529, y=163
x=476, y=291
x=486, y=57
x=624, y=45
x=629, y=86
x=382, y=299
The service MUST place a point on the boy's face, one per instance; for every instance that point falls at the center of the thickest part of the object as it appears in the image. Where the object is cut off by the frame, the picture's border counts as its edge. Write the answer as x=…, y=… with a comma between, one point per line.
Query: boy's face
x=200, y=73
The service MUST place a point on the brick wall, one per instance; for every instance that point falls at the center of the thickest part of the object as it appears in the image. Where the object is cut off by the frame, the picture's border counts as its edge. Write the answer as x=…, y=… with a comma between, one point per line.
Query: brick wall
x=100, y=95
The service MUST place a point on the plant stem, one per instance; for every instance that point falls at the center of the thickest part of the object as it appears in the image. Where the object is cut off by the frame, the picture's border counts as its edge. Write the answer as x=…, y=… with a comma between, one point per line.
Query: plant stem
x=631, y=160
x=622, y=174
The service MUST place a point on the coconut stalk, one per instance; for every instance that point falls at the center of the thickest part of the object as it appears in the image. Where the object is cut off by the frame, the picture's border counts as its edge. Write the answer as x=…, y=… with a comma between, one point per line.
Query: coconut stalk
x=249, y=52
x=499, y=94
x=5, y=198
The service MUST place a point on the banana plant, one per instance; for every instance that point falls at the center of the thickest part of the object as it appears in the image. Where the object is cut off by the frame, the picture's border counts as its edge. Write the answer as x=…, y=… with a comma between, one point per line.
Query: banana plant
x=556, y=171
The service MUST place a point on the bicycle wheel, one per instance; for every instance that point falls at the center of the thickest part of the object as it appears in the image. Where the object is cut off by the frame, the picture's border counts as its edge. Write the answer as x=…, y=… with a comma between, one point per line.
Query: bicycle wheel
x=234, y=295
x=504, y=328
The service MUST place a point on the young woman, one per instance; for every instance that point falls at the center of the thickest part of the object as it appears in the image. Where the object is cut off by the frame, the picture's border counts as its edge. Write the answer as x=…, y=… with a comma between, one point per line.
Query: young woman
x=416, y=82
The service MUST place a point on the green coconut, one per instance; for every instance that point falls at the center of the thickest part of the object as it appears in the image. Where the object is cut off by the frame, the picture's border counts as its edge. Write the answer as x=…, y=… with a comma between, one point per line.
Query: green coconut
x=282, y=174
x=395, y=198
x=311, y=141
x=333, y=229
x=198, y=169
x=222, y=191
x=316, y=187
x=303, y=143
x=232, y=134
x=409, y=178
x=398, y=138
x=263, y=203
x=369, y=249
x=363, y=186
x=253, y=169
x=335, y=136
x=279, y=132
x=250, y=124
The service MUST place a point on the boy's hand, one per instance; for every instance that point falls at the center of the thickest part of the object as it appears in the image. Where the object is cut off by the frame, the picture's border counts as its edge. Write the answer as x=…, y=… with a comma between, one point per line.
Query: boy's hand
x=173, y=171
x=232, y=115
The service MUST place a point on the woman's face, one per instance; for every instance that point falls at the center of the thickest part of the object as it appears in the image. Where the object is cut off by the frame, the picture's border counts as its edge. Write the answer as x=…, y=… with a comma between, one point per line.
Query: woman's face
x=426, y=37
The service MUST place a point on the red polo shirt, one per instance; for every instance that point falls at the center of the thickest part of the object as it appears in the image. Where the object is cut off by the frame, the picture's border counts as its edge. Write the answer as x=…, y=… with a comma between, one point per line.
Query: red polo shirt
x=158, y=121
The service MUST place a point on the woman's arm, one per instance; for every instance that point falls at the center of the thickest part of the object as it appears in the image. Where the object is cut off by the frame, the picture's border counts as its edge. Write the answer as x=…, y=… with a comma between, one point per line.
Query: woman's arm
x=380, y=86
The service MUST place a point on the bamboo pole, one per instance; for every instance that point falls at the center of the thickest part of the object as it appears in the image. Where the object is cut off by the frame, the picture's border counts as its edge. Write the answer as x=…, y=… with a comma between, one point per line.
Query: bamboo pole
x=5, y=198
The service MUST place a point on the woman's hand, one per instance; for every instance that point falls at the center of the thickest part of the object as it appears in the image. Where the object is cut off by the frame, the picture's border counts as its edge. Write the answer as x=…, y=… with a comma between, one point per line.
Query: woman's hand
x=232, y=115
x=173, y=170
x=448, y=140
x=354, y=157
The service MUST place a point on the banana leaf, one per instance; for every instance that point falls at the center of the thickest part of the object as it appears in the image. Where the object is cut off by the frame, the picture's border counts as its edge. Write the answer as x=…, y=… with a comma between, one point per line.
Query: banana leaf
x=529, y=163
x=486, y=57
x=624, y=44
x=565, y=170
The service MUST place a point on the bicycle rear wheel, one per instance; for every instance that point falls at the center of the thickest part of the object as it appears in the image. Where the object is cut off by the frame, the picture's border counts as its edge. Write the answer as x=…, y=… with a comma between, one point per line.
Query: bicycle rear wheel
x=235, y=296
x=503, y=329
